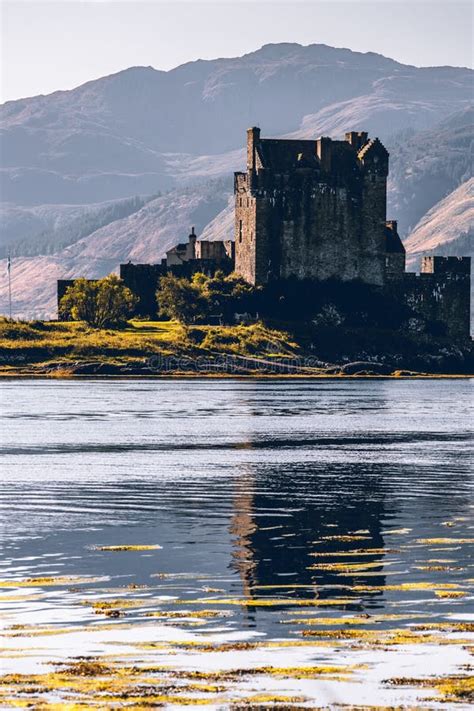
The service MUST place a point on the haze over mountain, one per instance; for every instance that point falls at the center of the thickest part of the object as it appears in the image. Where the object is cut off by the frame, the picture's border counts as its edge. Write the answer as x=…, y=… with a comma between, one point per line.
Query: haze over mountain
x=447, y=228
x=72, y=161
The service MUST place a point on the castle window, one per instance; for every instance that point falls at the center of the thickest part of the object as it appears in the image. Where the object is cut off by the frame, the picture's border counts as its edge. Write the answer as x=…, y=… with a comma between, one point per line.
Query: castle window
x=240, y=230
x=240, y=202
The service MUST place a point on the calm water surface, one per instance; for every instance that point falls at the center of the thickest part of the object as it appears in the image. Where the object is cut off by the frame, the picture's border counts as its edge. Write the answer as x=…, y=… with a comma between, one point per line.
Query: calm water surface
x=301, y=524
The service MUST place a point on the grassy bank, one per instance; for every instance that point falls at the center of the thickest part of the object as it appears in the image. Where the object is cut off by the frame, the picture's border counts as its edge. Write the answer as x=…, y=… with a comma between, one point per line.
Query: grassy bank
x=58, y=349
x=68, y=347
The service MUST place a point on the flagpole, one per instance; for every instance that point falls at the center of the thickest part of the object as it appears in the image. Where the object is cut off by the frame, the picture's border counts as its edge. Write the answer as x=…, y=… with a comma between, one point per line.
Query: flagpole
x=9, y=268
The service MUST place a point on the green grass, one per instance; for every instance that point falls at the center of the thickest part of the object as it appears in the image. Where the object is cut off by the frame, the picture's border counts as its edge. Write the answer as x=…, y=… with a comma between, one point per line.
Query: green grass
x=28, y=347
x=37, y=342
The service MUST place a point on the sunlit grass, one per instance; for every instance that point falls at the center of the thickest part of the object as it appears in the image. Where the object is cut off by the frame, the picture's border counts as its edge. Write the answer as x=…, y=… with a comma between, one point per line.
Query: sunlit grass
x=64, y=343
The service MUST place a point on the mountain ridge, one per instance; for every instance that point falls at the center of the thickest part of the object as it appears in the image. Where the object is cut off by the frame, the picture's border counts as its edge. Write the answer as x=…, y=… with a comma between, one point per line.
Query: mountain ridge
x=142, y=130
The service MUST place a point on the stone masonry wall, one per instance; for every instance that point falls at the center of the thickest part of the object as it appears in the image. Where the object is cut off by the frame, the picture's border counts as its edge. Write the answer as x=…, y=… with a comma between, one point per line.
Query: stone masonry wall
x=301, y=227
x=442, y=296
x=309, y=219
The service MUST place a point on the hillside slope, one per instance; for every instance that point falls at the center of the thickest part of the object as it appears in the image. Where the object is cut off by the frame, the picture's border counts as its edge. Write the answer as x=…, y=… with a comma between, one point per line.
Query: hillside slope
x=447, y=228
x=143, y=236
x=427, y=166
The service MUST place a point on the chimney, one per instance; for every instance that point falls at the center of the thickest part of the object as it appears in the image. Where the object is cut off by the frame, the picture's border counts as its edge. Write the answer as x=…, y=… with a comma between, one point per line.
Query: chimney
x=323, y=151
x=192, y=243
x=253, y=137
x=357, y=139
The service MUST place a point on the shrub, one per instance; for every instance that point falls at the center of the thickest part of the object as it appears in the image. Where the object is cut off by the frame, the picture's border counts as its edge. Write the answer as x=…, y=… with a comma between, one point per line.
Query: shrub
x=103, y=303
x=194, y=300
x=180, y=299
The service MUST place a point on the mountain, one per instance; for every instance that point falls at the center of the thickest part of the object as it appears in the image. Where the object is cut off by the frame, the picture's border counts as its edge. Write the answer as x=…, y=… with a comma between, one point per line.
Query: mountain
x=46, y=229
x=143, y=236
x=120, y=167
x=425, y=167
x=446, y=229
x=131, y=132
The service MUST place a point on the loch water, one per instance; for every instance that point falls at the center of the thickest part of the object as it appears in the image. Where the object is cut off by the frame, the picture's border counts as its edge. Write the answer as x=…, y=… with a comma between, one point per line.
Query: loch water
x=267, y=526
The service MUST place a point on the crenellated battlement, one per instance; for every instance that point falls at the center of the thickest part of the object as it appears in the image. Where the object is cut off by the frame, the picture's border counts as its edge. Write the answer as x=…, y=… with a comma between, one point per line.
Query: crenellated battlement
x=454, y=266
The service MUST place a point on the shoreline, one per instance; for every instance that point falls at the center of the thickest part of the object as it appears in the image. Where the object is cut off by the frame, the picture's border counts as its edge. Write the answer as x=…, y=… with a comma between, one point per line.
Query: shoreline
x=231, y=376
x=165, y=349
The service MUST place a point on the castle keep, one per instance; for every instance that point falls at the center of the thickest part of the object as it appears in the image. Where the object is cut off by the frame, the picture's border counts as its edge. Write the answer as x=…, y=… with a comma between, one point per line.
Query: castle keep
x=315, y=210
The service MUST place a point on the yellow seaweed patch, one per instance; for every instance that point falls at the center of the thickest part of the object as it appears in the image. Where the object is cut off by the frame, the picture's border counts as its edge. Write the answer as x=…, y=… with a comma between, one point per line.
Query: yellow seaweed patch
x=349, y=537
x=346, y=566
x=265, y=699
x=452, y=688
x=93, y=680
x=439, y=541
x=40, y=631
x=111, y=605
x=200, y=614
x=367, y=573
x=450, y=626
x=300, y=672
x=383, y=638
x=451, y=594
x=37, y=631
x=355, y=552
x=269, y=602
x=304, y=672
x=230, y=646
x=456, y=688
x=117, y=549
x=406, y=586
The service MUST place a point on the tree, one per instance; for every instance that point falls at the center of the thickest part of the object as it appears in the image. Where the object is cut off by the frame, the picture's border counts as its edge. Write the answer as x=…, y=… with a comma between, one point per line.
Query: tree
x=102, y=303
x=225, y=295
x=180, y=299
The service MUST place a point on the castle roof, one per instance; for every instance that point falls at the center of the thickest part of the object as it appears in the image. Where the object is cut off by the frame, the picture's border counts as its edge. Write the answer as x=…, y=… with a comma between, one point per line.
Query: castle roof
x=281, y=154
x=374, y=146
x=393, y=243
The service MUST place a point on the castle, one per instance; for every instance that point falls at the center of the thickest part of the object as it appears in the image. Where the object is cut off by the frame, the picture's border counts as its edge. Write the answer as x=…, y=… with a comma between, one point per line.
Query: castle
x=316, y=210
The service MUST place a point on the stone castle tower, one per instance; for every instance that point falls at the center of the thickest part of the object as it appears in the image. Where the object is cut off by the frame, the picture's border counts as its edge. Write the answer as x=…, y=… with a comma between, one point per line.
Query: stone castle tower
x=315, y=209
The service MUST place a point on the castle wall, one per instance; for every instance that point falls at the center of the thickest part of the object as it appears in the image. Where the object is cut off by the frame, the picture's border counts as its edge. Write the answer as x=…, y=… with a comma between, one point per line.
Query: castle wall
x=321, y=216
x=320, y=236
x=373, y=216
x=143, y=279
x=442, y=294
x=309, y=230
x=207, y=249
x=394, y=267
x=245, y=229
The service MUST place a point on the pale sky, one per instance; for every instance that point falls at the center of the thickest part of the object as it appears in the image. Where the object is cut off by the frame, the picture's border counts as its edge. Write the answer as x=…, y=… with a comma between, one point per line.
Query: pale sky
x=58, y=45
